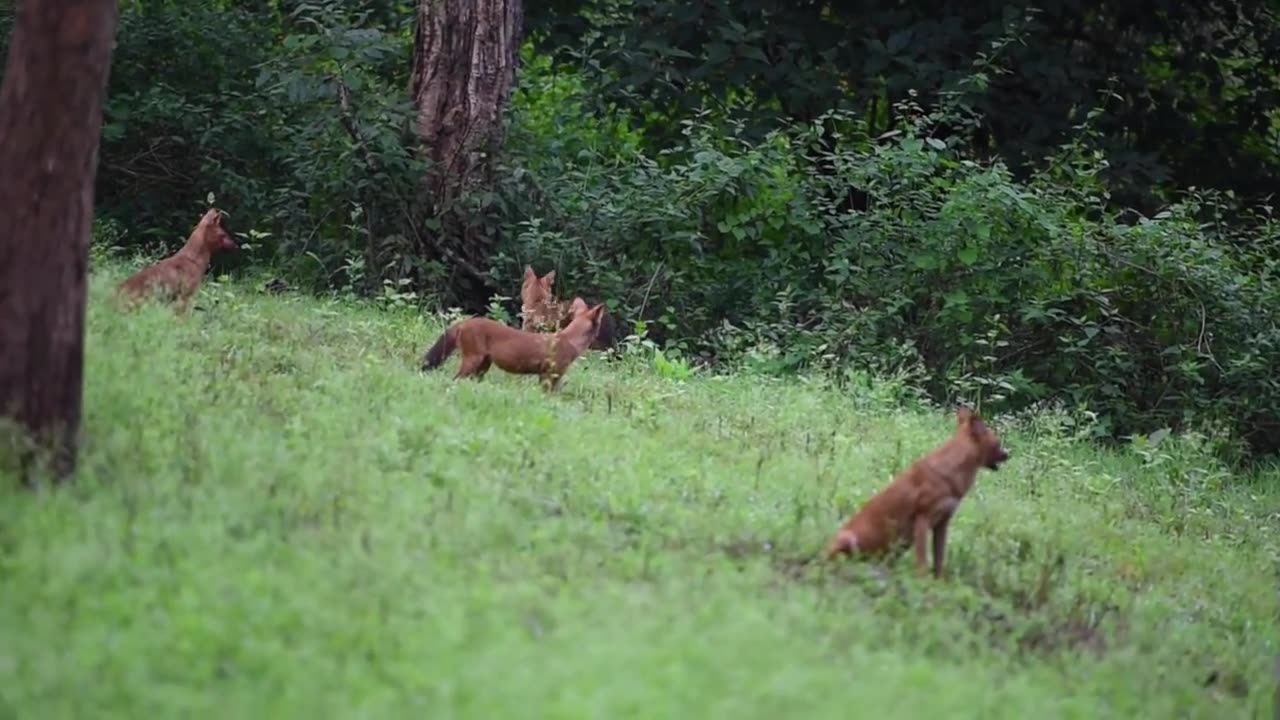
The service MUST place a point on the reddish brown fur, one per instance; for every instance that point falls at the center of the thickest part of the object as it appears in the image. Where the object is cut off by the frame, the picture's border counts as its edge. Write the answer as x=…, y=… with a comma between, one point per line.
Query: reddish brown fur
x=539, y=310
x=923, y=497
x=548, y=355
x=177, y=278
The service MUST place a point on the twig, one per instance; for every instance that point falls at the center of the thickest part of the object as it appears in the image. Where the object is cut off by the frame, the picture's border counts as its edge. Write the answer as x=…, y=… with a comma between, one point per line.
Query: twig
x=347, y=118
x=1202, y=344
x=371, y=162
x=645, y=302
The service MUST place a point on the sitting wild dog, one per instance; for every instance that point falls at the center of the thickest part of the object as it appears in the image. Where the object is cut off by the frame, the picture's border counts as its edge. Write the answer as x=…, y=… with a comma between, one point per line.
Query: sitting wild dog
x=177, y=278
x=541, y=312
x=484, y=341
x=923, y=497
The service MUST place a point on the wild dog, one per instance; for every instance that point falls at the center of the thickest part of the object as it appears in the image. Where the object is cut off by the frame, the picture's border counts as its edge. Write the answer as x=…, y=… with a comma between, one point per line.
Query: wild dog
x=177, y=278
x=541, y=312
x=923, y=497
x=548, y=355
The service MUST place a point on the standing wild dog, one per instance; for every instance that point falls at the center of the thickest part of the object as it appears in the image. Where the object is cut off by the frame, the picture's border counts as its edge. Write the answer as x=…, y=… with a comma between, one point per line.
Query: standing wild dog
x=541, y=312
x=548, y=355
x=923, y=497
x=177, y=278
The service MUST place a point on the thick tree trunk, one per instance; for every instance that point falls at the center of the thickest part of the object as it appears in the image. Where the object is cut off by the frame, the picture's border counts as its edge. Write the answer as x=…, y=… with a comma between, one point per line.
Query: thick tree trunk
x=464, y=65
x=50, y=120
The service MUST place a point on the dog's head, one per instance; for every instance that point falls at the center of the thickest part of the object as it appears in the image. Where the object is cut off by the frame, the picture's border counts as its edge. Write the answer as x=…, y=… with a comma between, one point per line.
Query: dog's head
x=990, y=452
x=536, y=291
x=586, y=320
x=537, y=304
x=212, y=233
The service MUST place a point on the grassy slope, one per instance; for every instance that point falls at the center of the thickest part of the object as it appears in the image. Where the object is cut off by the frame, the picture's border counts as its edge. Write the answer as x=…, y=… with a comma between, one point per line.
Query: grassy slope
x=278, y=516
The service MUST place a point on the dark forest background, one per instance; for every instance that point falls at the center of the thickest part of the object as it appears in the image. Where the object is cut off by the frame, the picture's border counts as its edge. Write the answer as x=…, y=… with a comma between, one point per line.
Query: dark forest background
x=1066, y=202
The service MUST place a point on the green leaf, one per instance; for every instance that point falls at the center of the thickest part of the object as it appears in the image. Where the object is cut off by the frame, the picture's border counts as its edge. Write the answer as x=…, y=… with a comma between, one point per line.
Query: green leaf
x=925, y=261
x=898, y=41
x=751, y=52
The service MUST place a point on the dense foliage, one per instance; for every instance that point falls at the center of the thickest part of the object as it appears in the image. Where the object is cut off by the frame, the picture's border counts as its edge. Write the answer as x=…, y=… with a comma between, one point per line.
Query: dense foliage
x=1059, y=204
x=1189, y=89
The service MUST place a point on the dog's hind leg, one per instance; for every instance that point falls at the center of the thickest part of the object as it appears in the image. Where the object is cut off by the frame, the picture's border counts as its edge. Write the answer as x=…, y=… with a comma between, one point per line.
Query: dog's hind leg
x=845, y=543
x=483, y=367
x=472, y=366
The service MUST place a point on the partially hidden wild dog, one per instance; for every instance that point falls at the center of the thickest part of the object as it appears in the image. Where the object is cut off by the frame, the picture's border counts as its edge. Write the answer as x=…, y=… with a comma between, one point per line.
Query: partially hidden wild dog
x=177, y=278
x=923, y=498
x=483, y=342
x=541, y=312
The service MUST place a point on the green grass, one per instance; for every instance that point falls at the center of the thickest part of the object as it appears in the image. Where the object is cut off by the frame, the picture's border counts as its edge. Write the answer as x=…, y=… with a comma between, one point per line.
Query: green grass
x=277, y=515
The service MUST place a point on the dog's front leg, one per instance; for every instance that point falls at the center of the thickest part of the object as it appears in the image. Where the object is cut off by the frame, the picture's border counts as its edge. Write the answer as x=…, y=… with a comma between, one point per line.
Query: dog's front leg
x=919, y=539
x=940, y=544
x=552, y=380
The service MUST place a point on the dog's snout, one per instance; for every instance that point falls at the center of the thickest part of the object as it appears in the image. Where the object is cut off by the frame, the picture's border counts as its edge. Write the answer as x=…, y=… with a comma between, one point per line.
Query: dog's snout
x=996, y=458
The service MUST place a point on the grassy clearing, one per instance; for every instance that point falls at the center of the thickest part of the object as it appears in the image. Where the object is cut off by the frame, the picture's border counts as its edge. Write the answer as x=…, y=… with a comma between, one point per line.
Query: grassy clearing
x=279, y=516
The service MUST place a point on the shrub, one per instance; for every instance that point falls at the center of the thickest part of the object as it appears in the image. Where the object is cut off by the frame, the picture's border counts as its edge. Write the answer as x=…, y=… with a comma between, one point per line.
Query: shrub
x=817, y=248
x=821, y=248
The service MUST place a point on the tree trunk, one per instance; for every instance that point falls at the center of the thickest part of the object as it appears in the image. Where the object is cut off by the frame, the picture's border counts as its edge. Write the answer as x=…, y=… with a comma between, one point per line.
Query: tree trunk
x=50, y=119
x=464, y=64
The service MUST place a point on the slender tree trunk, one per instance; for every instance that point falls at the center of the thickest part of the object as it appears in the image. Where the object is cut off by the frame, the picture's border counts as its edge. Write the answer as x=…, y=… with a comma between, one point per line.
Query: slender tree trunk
x=464, y=65
x=50, y=121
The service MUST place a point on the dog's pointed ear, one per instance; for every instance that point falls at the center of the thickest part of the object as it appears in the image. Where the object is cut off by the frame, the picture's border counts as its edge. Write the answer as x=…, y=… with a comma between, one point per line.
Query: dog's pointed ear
x=964, y=416
x=977, y=427
x=529, y=274
x=578, y=306
x=549, y=278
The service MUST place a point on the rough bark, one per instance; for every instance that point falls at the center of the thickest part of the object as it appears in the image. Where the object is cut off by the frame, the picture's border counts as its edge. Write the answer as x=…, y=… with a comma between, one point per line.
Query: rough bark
x=50, y=121
x=464, y=65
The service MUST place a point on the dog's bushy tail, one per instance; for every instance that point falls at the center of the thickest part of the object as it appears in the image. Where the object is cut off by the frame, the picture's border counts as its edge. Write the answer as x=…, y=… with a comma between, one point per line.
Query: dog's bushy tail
x=441, y=351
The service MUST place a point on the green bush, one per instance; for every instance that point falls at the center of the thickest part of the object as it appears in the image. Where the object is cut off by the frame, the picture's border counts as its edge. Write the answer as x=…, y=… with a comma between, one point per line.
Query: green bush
x=258, y=124
x=821, y=248
x=816, y=248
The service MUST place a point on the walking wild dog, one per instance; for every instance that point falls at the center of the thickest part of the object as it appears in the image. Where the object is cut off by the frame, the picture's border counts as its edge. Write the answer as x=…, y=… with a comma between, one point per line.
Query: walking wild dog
x=548, y=355
x=177, y=278
x=923, y=497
